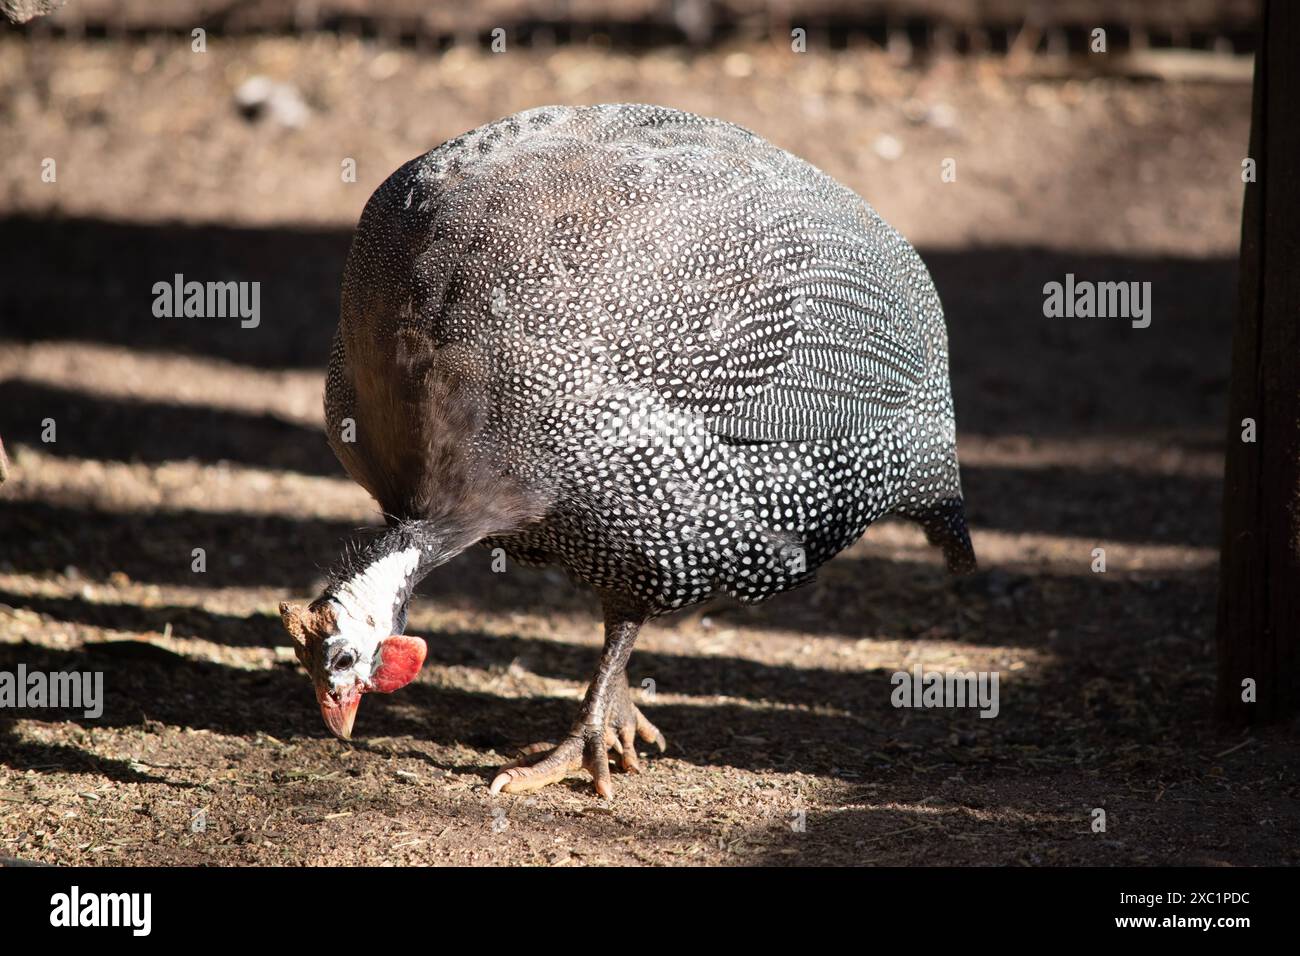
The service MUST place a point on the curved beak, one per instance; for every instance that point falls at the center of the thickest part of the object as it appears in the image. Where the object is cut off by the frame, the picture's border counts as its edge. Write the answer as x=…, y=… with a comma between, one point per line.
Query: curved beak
x=339, y=708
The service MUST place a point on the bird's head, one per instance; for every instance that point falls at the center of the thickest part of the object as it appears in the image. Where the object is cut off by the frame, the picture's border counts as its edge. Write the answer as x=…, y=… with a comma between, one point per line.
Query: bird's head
x=347, y=657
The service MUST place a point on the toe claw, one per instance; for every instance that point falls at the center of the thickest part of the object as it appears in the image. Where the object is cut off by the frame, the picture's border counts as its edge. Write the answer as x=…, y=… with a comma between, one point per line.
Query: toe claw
x=627, y=750
x=595, y=759
x=649, y=732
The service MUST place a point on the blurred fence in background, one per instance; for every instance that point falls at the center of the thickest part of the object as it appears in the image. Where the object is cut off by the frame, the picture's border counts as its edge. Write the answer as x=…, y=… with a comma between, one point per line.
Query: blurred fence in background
x=941, y=26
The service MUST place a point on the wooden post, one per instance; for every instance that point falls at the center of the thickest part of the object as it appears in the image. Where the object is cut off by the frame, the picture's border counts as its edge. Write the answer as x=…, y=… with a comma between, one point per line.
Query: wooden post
x=1259, y=575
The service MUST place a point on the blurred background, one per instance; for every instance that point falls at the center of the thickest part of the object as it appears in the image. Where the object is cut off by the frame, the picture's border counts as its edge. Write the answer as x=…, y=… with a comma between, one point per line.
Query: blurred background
x=246, y=152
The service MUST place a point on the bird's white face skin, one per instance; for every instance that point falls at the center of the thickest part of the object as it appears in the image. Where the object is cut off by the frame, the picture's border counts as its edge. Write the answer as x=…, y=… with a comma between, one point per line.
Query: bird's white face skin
x=348, y=658
x=350, y=654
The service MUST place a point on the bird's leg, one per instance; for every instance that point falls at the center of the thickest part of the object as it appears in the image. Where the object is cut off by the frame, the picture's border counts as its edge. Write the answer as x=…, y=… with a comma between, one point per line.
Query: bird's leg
x=608, y=719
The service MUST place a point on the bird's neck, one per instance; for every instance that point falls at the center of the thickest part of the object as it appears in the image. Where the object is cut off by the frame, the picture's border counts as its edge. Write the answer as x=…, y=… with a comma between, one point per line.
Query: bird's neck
x=372, y=585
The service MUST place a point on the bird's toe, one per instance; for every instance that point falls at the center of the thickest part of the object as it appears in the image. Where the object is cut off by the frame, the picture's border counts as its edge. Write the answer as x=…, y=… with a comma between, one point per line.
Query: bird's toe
x=539, y=765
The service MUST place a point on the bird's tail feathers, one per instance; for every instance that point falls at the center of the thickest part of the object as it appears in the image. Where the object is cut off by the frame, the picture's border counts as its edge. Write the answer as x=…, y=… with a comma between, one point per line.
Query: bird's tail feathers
x=944, y=524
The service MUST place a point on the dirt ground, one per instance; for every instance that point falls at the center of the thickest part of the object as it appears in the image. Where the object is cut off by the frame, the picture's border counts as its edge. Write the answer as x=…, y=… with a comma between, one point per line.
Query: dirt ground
x=176, y=434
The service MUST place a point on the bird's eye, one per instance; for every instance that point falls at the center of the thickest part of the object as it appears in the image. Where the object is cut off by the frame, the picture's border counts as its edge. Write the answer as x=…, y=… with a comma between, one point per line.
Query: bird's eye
x=344, y=661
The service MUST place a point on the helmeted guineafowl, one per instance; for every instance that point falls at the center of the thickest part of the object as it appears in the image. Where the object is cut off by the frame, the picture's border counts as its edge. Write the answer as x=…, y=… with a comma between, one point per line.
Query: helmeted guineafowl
x=646, y=346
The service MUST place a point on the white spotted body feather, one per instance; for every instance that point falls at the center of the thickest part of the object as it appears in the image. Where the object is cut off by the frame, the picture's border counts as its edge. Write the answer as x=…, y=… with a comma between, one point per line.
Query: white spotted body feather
x=646, y=346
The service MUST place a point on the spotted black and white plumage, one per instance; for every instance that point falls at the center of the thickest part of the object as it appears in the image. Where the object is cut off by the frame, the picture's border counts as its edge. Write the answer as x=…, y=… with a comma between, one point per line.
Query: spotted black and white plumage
x=702, y=364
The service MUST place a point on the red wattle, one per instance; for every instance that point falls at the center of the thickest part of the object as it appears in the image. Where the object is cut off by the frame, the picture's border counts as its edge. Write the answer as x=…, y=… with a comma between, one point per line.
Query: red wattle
x=400, y=658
